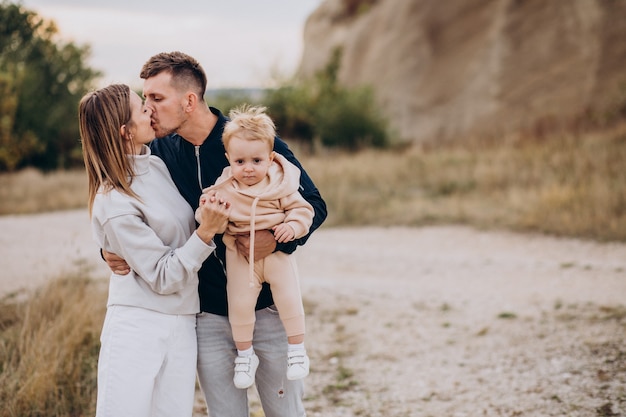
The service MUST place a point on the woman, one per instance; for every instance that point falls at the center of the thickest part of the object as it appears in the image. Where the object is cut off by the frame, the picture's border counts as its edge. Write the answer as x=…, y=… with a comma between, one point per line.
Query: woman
x=148, y=351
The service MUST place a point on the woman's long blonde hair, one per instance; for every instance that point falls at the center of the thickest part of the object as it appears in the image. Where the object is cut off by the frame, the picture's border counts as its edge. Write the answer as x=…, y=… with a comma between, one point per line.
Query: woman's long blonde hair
x=101, y=114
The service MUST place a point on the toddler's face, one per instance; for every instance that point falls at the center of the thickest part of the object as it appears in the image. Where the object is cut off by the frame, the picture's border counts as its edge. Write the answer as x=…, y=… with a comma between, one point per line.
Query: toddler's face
x=249, y=159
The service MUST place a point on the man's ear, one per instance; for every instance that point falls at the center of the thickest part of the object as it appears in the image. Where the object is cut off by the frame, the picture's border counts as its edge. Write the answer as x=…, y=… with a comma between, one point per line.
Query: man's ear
x=191, y=101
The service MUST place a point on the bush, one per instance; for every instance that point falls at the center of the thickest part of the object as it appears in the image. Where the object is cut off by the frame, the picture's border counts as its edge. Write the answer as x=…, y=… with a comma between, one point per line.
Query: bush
x=291, y=108
x=348, y=119
x=227, y=99
x=319, y=110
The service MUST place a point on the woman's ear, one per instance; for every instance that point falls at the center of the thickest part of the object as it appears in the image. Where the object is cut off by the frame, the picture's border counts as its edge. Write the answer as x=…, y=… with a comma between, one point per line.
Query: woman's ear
x=125, y=133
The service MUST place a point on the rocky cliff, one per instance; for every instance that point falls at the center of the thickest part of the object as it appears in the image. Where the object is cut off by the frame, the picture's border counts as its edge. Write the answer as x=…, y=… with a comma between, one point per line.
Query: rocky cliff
x=445, y=69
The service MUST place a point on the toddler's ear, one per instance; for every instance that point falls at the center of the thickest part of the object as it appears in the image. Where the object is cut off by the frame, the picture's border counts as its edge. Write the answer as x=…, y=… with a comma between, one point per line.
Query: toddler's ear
x=272, y=155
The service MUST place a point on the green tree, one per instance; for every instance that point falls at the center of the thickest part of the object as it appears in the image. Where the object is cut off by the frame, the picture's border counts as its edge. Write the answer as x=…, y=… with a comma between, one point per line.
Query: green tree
x=41, y=82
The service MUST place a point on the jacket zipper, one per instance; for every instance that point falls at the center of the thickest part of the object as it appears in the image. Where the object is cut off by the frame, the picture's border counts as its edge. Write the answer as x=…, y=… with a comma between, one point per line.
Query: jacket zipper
x=197, y=151
x=198, y=163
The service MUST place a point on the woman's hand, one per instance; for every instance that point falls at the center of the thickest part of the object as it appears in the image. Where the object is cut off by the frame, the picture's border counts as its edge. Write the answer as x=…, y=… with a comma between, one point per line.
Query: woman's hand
x=214, y=212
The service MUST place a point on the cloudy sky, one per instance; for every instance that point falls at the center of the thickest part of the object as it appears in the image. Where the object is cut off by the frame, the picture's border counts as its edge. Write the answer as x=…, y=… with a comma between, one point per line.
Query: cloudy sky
x=240, y=43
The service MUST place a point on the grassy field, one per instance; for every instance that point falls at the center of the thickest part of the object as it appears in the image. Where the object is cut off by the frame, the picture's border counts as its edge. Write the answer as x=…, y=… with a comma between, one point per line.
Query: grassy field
x=49, y=350
x=567, y=184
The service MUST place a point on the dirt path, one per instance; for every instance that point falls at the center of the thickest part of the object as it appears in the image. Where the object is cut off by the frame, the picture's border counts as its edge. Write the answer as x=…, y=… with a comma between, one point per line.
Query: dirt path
x=449, y=321
x=37, y=248
x=437, y=321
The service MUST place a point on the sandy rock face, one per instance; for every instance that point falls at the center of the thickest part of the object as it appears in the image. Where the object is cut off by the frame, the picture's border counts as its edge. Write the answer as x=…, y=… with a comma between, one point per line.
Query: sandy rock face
x=445, y=69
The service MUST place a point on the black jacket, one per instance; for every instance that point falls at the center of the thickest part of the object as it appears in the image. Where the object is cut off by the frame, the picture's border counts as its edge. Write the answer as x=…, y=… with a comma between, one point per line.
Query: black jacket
x=196, y=167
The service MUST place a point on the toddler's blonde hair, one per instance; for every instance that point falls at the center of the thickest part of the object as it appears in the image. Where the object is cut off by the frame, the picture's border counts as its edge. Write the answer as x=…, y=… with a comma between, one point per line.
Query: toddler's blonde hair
x=249, y=123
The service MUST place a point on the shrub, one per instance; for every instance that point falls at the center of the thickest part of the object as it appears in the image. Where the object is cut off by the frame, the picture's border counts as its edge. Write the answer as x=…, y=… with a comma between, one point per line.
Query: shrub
x=348, y=119
x=291, y=107
x=320, y=110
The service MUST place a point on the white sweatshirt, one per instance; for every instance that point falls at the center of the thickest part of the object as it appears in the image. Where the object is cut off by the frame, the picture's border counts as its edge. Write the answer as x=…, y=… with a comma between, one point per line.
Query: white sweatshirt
x=156, y=236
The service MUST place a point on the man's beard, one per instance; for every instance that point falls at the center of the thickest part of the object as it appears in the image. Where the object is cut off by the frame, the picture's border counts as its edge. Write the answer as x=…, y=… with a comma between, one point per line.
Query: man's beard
x=161, y=131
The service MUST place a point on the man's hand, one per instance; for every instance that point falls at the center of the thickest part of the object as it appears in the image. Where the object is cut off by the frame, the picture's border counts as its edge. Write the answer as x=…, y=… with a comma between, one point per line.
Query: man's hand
x=116, y=264
x=264, y=244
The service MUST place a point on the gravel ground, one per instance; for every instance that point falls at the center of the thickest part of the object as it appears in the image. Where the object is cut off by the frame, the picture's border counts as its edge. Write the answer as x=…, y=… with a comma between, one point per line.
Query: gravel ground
x=436, y=321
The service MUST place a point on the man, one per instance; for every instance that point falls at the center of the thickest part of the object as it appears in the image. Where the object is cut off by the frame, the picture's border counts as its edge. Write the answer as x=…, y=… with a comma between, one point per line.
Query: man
x=190, y=144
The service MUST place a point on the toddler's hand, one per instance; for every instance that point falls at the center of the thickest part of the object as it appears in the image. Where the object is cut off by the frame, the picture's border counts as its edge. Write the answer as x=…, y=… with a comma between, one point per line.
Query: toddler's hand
x=284, y=233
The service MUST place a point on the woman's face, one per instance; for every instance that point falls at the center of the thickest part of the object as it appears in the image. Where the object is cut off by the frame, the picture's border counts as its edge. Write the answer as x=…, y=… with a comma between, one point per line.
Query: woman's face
x=141, y=131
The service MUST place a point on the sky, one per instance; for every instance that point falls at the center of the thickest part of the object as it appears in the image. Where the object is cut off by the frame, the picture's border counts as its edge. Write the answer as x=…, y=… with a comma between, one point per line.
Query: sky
x=239, y=43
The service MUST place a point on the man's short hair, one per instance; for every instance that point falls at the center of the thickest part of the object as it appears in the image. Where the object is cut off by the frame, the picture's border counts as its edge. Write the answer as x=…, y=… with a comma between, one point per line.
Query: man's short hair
x=186, y=71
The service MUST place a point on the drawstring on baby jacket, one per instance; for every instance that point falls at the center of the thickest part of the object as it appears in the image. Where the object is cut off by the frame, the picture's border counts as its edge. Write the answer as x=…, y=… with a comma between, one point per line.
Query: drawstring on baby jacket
x=251, y=254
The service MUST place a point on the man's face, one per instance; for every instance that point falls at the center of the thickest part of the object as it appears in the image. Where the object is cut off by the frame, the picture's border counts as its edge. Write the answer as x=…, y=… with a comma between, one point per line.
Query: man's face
x=167, y=104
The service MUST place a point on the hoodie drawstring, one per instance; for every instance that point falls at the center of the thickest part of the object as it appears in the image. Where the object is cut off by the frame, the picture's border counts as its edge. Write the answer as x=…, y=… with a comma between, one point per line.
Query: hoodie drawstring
x=251, y=254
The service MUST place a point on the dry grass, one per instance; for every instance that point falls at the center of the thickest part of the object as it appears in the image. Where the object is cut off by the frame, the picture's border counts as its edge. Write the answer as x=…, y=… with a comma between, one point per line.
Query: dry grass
x=31, y=191
x=49, y=350
x=569, y=184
